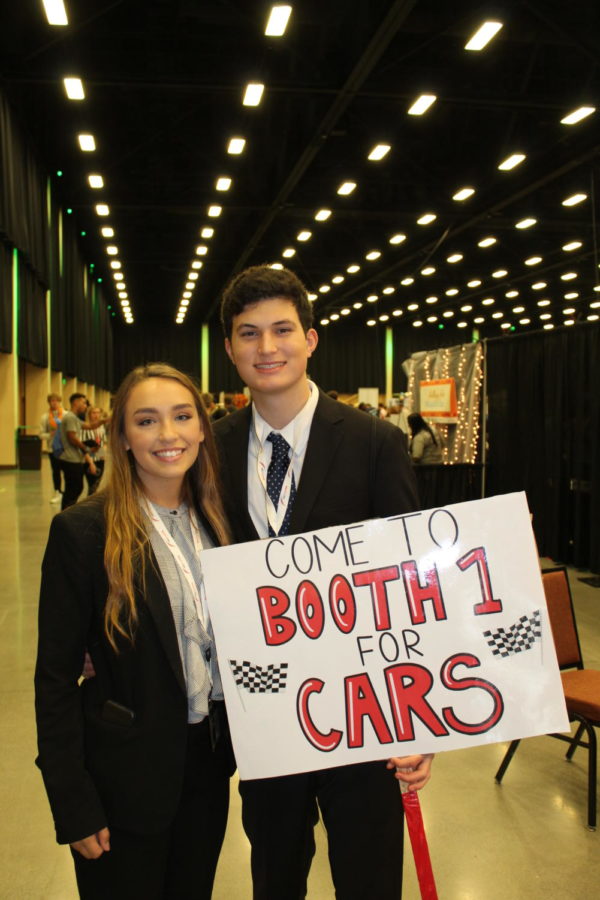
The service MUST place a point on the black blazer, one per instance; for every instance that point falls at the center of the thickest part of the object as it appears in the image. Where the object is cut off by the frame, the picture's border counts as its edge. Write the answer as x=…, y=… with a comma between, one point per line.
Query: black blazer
x=98, y=772
x=356, y=467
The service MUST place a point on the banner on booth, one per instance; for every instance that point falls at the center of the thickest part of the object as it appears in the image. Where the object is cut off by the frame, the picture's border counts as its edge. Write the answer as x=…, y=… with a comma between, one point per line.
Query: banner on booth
x=437, y=400
x=419, y=633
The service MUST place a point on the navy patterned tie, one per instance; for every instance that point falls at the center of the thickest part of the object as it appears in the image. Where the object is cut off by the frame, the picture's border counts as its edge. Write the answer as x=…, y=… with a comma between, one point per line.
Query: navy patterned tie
x=280, y=461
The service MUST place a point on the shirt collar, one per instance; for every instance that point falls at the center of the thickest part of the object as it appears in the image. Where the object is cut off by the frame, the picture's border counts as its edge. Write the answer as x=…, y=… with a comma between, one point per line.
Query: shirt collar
x=295, y=432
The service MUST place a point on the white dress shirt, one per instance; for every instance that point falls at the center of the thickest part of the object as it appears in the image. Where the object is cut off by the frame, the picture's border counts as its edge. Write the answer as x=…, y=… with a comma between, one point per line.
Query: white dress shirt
x=296, y=433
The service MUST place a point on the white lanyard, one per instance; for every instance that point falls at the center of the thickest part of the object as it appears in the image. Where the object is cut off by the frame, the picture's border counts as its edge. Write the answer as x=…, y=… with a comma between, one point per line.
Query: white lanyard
x=198, y=595
x=275, y=516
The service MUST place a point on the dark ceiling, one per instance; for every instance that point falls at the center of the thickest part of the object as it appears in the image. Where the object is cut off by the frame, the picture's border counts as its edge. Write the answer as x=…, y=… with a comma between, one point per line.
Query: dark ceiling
x=164, y=82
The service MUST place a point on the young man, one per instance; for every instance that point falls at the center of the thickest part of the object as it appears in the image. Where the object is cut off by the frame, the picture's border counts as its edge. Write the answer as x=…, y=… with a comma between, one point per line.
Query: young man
x=335, y=466
x=75, y=453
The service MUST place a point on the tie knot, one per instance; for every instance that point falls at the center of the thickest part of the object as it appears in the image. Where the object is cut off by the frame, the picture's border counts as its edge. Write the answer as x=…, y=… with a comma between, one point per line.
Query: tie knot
x=281, y=448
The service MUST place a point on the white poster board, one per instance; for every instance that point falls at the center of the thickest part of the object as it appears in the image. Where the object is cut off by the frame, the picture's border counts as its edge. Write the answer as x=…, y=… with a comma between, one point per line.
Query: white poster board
x=415, y=634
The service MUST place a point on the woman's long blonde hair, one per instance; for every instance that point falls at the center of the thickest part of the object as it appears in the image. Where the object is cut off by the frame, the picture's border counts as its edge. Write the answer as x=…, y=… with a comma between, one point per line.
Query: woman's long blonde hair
x=126, y=548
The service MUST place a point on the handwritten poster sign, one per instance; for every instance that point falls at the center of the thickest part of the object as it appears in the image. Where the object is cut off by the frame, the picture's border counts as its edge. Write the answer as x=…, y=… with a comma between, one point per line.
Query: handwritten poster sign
x=437, y=400
x=420, y=633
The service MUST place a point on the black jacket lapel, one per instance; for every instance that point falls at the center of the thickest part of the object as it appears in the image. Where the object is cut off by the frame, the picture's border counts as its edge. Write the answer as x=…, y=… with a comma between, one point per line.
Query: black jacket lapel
x=326, y=432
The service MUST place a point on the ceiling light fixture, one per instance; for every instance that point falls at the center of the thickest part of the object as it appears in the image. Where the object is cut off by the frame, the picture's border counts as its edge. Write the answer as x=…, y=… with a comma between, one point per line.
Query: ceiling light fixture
x=577, y=115
x=572, y=245
x=278, y=20
x=353, y=269
x=426, y=219
x=201, y=250
x=574, y=199
x=207, y=233
x=236, y=146
x=463, y=194
x=346, y=188
x=304, y=235
x=422, y=104
x=322, y=215
x=102, y=209
x=87, y=142
x=55, y=12
x=406, y=281
x=223, y=183
x=373, y=255
x=483, y=35
x=526, y=223
x=378, y=152
x=214, y=211
x=397, y=238
x=533, y=260
x=511, y=161
x=454, y=258
x=74, y=88
x=289, y=252
x=253, y=94
x=107, y=231
x=486, y=242
x=96, y=181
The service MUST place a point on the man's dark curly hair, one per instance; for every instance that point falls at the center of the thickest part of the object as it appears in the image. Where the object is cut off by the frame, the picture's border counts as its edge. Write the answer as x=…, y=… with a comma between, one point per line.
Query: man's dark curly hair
x=264, y=283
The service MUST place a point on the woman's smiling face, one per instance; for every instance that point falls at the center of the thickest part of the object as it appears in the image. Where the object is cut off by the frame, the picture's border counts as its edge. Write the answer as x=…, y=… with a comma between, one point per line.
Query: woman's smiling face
x=162, y=429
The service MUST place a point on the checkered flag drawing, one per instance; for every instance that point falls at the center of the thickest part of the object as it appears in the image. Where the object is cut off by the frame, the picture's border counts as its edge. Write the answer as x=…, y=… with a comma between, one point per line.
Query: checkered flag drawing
x=516, y=638
x=259, y=679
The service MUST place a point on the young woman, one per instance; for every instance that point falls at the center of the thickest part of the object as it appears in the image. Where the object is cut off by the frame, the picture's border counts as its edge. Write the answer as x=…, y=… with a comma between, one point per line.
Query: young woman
x=136, y=760
x=424, y=445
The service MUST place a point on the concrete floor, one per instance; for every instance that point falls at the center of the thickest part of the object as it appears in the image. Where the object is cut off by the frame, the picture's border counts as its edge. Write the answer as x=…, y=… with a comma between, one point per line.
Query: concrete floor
x=525, y=839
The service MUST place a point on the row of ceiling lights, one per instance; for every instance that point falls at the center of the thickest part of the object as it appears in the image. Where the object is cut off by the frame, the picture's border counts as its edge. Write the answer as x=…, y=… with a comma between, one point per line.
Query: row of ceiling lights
x=276, y=25
x=253, y=95
x=74, y=89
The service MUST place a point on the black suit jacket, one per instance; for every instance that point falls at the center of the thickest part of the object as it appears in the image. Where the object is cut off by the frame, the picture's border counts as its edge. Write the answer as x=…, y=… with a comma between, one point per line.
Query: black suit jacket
x=99, y=772
x=356, y=467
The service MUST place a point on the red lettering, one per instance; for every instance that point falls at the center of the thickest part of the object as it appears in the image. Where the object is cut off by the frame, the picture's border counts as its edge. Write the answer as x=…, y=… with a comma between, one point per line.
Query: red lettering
x=273, y=603
x=309, y=607
x=362, y=701
x=324, y=742
x=463, y=684
x=342, y=603
x=408, y=685
x=478, y=557
x=377, y=579
x=417, y=592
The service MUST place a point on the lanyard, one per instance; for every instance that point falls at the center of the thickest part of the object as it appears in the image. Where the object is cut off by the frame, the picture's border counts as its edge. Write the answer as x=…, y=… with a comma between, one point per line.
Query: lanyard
x=197, y=595
x=275, y=516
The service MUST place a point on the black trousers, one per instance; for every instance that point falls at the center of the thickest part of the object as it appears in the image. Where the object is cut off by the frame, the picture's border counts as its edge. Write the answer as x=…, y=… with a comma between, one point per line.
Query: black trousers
x=73, y=473
x=176, y=864
x=362, y=811
x=56, y=470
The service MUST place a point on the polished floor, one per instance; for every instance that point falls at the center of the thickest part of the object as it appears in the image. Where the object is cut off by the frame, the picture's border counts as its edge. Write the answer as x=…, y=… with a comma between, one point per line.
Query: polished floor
x=525, y=839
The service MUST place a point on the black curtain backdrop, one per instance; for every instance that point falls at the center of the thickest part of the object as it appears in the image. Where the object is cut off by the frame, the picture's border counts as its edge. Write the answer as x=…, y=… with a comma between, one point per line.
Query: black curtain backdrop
x=544, y=436
x=33, y=325
x=22, y=195
x=134, y=346
x=5, y=298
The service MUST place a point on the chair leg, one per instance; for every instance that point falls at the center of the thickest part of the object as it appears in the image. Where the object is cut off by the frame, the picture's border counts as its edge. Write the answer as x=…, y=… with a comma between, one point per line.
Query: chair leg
x=592, y=768
x=575, y=742
x=506, y=761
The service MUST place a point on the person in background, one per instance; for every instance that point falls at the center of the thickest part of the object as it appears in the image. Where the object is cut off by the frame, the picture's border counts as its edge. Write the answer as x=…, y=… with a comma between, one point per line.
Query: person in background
x=425, y=447
x=398, y=416
x=209, y=403
x=74, y=454
x=50, y=432
x=333, y=466
x=94, y=439
x=136, y=760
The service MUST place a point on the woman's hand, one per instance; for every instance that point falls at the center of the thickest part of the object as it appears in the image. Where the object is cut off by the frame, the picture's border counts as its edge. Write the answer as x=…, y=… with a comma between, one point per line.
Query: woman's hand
x=414, y=771
x=93, y=846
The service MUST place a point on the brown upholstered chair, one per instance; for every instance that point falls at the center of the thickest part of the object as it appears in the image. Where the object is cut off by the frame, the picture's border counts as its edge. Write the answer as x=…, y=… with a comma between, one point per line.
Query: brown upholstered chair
x=581, y=685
